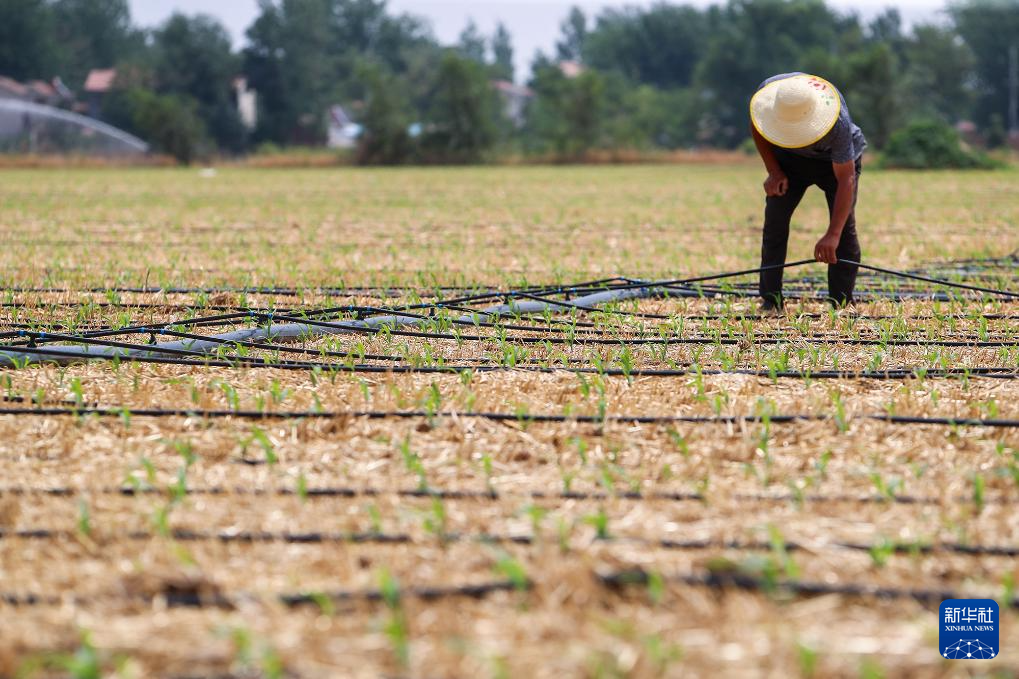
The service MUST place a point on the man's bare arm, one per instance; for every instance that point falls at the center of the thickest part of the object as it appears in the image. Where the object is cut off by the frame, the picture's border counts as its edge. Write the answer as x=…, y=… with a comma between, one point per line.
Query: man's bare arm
x=825, y=249
x=777, y=183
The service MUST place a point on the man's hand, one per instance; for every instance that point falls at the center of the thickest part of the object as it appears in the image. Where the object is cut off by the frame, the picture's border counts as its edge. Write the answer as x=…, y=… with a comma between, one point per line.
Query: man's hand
x=776, y=184
x=824, y=251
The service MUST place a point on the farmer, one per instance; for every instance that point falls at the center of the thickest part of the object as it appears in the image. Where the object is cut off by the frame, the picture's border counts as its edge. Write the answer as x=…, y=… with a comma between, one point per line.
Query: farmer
x=803, y=131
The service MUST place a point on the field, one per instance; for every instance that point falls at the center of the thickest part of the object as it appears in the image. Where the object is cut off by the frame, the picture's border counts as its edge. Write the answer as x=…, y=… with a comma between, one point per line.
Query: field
x=670, y=485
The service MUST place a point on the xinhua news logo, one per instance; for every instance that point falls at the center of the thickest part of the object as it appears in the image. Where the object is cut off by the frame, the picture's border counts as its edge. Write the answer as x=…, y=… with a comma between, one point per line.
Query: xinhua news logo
x=969, y=629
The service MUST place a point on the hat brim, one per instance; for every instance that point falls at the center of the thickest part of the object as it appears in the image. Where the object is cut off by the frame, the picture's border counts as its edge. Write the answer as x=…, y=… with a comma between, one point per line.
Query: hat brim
x=827, y=107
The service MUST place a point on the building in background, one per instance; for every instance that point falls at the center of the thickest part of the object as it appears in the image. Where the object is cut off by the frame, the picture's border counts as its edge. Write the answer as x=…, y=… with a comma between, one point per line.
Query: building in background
x=343, y=132
x=514, y=100
x=97, y=87
x=247, y=103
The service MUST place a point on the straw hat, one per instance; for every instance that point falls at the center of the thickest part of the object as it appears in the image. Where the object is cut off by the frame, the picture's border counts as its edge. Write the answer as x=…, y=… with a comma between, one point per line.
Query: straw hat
x=795, y=111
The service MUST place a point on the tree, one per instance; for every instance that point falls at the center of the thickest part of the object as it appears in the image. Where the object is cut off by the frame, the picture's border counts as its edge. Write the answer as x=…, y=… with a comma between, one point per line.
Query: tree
x=27, y=40
x=471, y=44
x=887, y=28
x=194, y=58
x=873, y=88
x=461, y=123
x=752, y=40
x=302, y=56
x=94, y=34
x=930, y=144
x=659, y=46
x=939, y=73
x=990, y=29
x=289, y=62
x=169, y=123
x=502, y=54
x=384, y=138
x=567, y=114
x=573, y=32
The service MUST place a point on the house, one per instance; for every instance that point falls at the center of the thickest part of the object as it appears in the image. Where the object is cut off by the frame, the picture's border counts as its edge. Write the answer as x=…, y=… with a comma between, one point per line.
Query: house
x=12, y=89
x=98, y=85
x=342, y=132
x=514, y=100
x=43, y=92
x=570, y=69
x=247, y=103
x=53, y=93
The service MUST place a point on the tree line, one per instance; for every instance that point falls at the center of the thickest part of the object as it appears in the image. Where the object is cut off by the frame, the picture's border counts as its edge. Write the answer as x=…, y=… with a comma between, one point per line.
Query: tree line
x=669, y=76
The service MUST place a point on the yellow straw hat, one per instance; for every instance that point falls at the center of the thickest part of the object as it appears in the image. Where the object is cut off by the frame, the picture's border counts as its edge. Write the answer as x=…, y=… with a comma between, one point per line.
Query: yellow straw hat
x=795, y=111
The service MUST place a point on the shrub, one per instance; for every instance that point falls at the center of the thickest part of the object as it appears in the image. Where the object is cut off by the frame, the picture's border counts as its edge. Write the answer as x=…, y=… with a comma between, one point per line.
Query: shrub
x=385, y=139
x=931, y=144
x=169, y=123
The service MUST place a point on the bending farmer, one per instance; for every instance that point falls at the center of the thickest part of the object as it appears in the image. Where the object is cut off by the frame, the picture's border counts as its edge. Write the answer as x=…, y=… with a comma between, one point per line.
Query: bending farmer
x=803, y=131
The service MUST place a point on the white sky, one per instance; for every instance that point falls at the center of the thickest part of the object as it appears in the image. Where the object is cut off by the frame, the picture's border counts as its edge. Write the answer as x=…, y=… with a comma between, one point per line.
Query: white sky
x=534, y=24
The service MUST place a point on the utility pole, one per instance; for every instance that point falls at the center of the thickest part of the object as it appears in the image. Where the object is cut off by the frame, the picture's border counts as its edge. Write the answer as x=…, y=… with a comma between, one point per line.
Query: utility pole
x=1013, y=89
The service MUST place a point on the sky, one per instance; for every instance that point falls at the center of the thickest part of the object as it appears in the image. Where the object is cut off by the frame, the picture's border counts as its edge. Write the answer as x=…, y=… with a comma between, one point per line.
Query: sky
x=534, y=24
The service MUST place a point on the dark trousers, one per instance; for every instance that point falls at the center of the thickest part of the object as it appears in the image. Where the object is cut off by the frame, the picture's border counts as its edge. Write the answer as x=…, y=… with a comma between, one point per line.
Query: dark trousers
x=804, y=173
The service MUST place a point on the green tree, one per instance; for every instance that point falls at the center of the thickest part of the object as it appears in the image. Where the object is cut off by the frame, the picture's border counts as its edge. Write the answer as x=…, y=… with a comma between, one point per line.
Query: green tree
x=169, y=123
x=872, y=90
x=302, y=56
x=502, y=54
x=752, y=40
x=568, y=114
x=94, y=34
x=930, y=144
x=384, y=138
x=659, y=46
x=939, y=70
x=886, y=28
x=573, y=32
x=27, y=40
x=991, y=29
x=472, y=44
x=193, y=57
x=290, y=62
x=461, y=126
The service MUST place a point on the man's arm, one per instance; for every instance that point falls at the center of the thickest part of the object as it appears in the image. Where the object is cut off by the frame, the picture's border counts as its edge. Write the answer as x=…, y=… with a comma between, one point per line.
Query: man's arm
x=845, y=173
x=777, y=183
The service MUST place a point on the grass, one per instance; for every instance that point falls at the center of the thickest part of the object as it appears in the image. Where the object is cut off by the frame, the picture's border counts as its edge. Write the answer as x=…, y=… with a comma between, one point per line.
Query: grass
x=445, y=500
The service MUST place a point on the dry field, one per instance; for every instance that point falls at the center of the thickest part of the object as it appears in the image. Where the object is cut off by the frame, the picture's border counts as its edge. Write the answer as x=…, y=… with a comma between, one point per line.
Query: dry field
x=671, y=486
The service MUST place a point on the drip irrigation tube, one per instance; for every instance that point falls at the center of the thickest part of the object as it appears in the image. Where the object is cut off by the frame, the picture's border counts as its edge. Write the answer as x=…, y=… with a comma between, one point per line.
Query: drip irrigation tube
x=319, y=537
x=990, y=372
x=490, y=494
x=176, y=597
x=518, y=303
x=723, y=581
x=186, y=597
x=507, y=417
x=581, y=339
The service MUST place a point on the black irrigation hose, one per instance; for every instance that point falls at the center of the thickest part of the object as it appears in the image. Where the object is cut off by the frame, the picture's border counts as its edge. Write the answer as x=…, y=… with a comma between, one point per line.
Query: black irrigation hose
x=193, y=597
x=319, y=537
x=506, y=417
x=725, y=581
x=323, y=492
x=926, y=279
x=993, y=372
x=580, y=339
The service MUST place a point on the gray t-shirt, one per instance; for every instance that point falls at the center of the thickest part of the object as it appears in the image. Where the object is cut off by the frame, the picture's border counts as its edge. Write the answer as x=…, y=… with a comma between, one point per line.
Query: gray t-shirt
x=843, y=143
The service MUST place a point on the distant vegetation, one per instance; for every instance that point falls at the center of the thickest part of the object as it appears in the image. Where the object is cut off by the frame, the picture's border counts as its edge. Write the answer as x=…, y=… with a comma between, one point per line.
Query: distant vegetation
x=665, y=77
x=931, y=144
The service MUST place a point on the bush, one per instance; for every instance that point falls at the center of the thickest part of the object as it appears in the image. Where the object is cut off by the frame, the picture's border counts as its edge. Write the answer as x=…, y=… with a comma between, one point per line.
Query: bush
x=169, y=123
x=387, y=114
x=461, y=126
x=931, y=144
